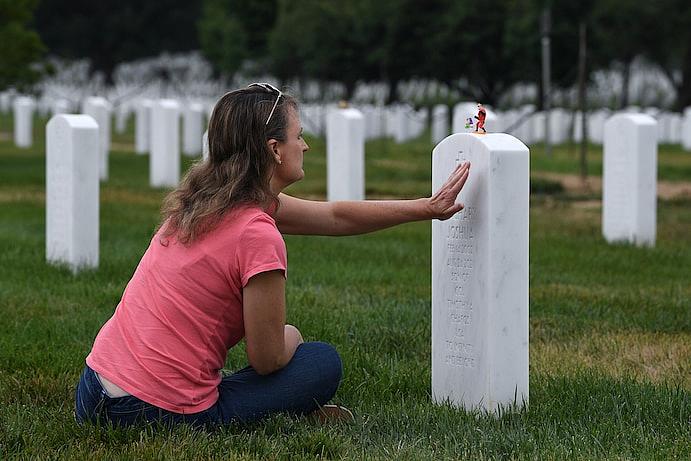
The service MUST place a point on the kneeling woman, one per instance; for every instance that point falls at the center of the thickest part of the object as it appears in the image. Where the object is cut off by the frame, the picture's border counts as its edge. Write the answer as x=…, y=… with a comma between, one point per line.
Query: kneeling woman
x=214, y=273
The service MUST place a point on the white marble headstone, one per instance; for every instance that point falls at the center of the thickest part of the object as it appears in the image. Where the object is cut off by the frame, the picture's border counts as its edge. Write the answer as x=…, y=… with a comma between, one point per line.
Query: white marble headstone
x=5, y=101
x=192, y=129
x=560, y=122
x=629, y=174
x=23, y=121
x=164, y=161
x=205, y=145
x=100, y=109
x=440, y=122
x=142, y=126
x=122, y=113
x=72, y=191
x=537, y=127
x=345, y=155
x=675, y=128
x=61, y=106
x=596, y=122
x=480, y=275
x=686, y=129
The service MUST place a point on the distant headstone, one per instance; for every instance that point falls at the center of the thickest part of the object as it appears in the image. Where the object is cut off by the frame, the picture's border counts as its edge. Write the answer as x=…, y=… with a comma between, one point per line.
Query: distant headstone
x=121, y=115
x=72, y=191
x=480, y=275
x=142, y=126
x=629, y=201
x=440, y=123
x=61, y=106
x=596, y=122
x=675, y=128
x=192, y=129
x=397, y=123
x=100, y=109
x=537, y=127
x=205, y=145
x=686, y=129
x=560, y=122
x=23, y=121
x=5, y=101
x=164, y=161
x=664, y=127
x=577, y=126
x=345, y=155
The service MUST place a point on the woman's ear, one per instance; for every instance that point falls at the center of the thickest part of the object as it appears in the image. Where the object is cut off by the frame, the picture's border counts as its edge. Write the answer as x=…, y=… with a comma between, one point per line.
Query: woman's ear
x=273, y=147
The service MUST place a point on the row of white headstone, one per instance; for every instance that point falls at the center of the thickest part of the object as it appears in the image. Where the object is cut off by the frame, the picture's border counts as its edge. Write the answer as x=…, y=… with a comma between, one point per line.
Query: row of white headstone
x=479, y=256
x=564, y=125
x=192, y=114
x=400, y=122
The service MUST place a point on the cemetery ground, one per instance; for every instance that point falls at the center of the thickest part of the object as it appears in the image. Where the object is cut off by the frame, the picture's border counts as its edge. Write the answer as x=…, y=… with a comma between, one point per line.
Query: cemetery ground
x=610, y=325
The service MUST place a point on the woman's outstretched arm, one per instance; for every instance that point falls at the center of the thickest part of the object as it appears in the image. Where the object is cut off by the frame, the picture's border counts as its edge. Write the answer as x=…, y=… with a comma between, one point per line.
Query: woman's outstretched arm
x=308, y=217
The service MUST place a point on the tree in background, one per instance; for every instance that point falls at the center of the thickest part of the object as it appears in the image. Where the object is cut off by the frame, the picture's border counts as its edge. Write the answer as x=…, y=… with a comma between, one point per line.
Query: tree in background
x=109, y=32
x=232, y=32
x=620, y=32
x=322, y=39
x=401, y=40
x=483, y=51
x=669, y=46
x=20, y=46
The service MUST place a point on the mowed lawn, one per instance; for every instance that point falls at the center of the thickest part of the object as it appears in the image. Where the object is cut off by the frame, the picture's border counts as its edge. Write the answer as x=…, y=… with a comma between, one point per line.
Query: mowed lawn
x=610, y=325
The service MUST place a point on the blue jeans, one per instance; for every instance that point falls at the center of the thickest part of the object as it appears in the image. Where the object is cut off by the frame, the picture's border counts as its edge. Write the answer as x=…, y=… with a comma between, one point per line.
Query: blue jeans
x=308, y=381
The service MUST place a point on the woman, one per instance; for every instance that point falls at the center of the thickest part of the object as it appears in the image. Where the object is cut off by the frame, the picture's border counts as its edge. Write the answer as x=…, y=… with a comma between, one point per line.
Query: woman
x=215, y=273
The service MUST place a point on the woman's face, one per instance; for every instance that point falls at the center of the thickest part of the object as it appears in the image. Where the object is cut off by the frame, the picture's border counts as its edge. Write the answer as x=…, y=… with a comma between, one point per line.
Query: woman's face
x=290, y=154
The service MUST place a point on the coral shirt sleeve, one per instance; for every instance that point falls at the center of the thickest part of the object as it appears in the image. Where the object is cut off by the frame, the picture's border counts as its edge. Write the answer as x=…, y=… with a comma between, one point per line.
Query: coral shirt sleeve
x=262, y=249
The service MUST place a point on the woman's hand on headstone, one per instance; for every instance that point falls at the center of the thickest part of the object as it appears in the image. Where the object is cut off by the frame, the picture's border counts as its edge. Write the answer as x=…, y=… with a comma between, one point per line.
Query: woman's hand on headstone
x=442, y=204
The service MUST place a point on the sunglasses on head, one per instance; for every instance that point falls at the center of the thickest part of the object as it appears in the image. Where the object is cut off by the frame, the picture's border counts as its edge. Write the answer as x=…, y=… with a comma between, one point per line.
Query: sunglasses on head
x=270, y=88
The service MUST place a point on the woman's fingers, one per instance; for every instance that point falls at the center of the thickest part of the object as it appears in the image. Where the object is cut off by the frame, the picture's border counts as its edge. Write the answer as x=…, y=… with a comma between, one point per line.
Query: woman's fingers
x=456, y=176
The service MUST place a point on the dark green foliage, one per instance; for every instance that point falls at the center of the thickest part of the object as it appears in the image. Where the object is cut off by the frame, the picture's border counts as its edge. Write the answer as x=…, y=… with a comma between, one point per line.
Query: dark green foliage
x=20, y=45
x=233, y=31
x=109, y=32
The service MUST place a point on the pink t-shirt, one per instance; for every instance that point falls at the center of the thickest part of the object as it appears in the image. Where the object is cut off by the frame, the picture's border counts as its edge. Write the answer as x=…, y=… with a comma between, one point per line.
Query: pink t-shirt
x=182, y=310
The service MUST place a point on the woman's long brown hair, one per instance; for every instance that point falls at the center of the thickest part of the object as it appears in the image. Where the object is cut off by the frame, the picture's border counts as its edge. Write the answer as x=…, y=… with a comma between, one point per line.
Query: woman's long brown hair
x=238, y=168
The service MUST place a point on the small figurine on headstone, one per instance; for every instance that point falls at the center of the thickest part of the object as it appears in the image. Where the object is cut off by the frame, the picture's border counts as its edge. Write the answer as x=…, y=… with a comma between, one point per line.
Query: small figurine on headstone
x=481, y=116
x=469, y=122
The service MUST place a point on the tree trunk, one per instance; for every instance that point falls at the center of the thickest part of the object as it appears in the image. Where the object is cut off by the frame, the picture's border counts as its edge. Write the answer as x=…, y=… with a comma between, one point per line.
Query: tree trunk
x=581, y=99
x=684, y=88
x=349, y=89
x=393, y=92
x=626, y=81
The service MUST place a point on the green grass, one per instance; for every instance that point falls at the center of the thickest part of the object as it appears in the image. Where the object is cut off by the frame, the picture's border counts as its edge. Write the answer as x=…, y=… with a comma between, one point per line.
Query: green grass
x=610, y=327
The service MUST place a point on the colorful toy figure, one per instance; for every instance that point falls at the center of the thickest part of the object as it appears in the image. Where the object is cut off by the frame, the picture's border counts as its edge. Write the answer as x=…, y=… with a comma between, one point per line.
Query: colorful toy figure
x=481, y=116
x=469, y=122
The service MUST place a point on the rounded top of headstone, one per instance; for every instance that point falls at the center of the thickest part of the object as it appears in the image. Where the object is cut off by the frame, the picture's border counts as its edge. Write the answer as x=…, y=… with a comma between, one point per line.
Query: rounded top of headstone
x=24, y=100
x=349, y=113
x=168, y=103
x=97, y=101
x=196, y=107
x=634, y=118
x=73, y=121
x=491, y=141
